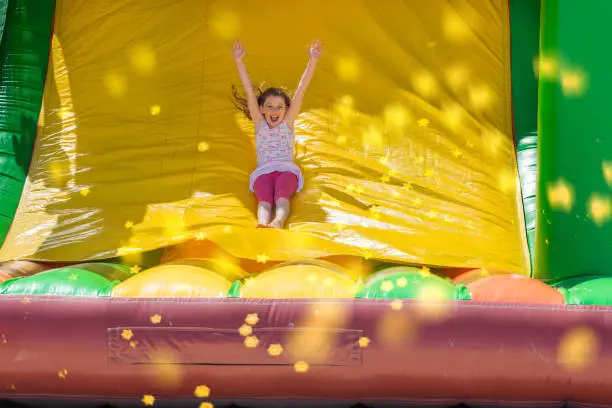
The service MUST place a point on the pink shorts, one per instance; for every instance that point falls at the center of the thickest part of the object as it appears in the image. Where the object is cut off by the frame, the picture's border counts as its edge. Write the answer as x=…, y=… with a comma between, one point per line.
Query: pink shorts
x=272, y=186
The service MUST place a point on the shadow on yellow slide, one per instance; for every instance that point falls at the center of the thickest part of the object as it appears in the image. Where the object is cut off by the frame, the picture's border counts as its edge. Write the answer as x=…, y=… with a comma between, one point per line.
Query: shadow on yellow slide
x=405, y=136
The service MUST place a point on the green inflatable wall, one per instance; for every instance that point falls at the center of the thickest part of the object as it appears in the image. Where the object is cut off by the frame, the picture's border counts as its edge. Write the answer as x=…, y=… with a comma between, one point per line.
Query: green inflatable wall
x=24, y=55
x=574, y=230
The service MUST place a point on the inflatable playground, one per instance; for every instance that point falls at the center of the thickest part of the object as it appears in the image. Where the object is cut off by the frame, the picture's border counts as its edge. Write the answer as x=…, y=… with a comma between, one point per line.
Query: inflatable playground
x=451, y=245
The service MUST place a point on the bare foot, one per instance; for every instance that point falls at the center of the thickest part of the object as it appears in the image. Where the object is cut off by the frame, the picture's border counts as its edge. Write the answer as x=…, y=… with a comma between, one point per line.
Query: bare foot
x=260, y=225
x=276, y=223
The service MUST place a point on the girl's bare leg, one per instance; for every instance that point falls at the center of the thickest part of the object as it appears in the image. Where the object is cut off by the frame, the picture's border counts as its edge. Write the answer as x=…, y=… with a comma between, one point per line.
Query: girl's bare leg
x=264, y=214
x=282, y=213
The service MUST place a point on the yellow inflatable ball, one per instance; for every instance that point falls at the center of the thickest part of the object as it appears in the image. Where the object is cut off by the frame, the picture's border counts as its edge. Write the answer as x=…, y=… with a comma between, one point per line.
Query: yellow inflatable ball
x=302, y=279
x=174, y=280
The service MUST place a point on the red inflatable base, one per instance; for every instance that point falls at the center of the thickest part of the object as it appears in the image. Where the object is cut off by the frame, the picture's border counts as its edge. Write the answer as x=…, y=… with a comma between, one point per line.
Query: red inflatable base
x=378, y=353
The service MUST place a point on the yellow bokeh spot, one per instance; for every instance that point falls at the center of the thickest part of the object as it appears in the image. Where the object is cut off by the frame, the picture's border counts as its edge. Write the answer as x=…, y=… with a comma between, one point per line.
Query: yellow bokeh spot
x=148, y=400
x=607, y=171
x=402, y=282
x=84, y=191
x=115, y=84
x=155, y=110
x=142, y=58
x=493, y=141
x=456, y=76
x=425, y=84
x=573, y=82
x=252, y=319
x=202, y=391
x=560, y=195
x=578, y=348
x=432, y=305
x=481, y=97
x=453, y=115
x=206, y=405
x=546, y=67
x=364, y=342
x=224, y=22
x=315, y=341
x=245, y=330
x=203, y=146
x=507, y=181
x=251, y=341
x=275, y=350
x=301, y=367
x=167, y=373
x=455, y=29
x=397, y=116
x=127, y=334
x=394, y=329
x=262, y=258
x=386, y=286
x=599, y=209
x=155, y=319
x=348, y=69
x=372, y=136
x=130, y=256
x=345, y=109
x=135, y=269
x=62, y=373
x=133, y=344
x=397, y=304
x=128, y=224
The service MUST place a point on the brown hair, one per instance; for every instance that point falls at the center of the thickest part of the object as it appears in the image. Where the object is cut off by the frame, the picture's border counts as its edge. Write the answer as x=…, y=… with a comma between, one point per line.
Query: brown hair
x=242, y=104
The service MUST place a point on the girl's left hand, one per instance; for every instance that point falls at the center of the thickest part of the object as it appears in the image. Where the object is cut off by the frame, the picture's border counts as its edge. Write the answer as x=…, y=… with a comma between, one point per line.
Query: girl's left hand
x=316, y=49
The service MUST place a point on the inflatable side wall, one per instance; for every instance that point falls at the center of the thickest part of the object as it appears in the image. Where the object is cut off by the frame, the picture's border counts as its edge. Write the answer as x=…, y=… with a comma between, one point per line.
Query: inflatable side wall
x=575, y=154
x=26, y=29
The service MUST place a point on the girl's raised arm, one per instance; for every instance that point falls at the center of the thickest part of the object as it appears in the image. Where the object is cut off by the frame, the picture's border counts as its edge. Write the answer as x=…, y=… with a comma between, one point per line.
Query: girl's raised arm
x=239, y=53
x=296, y=104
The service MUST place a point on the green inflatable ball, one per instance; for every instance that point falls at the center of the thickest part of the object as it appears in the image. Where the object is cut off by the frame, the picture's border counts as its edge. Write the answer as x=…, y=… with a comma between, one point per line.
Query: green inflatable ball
x=111, y=271
x=404, y=282
x=586, y=290
x=68, y=281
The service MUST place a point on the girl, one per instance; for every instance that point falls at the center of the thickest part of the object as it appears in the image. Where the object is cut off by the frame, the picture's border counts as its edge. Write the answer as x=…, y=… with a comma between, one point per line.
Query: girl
x=277, y=178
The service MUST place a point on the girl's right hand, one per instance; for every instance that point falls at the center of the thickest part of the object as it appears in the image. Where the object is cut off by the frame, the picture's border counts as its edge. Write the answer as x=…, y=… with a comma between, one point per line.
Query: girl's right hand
x=238, y=51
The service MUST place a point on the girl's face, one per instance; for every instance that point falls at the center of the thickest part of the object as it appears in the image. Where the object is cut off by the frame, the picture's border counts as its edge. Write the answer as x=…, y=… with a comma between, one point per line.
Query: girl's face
x=274, y=110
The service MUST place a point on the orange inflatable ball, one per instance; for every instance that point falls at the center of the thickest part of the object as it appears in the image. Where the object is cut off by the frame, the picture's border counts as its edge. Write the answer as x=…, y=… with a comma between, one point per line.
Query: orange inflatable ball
x=471, y=275
x=15, y=269
x=304, y=279
x=514, y=289
x=174, y=280
x=196, y=249
x=257, y=266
